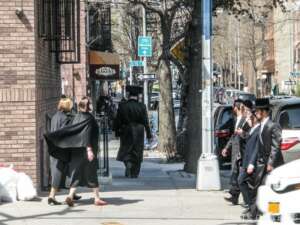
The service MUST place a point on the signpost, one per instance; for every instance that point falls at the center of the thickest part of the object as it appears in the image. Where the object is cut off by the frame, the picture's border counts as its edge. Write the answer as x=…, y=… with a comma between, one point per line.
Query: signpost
x=295, y=74
x=136, y=63
x=147, y=77
x=145, y=46
x=290, y=82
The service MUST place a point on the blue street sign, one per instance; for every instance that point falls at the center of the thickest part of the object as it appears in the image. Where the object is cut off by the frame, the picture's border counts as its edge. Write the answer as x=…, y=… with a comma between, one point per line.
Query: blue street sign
x=136, y=63
x=207, y=19
x=145, y=46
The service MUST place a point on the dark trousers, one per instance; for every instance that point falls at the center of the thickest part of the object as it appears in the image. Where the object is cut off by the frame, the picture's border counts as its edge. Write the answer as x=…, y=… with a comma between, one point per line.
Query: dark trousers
x=244, y=186
x=234, y=185
x=132, y=169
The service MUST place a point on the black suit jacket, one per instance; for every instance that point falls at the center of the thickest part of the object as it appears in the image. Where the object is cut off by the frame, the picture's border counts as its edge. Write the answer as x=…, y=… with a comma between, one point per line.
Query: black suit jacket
x=237, y=143
x=251, y=148
x=270, y=144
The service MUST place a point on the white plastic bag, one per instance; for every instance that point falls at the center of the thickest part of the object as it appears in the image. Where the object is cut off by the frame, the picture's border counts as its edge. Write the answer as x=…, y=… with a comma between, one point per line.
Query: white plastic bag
x=8, y=185
x=25, y=188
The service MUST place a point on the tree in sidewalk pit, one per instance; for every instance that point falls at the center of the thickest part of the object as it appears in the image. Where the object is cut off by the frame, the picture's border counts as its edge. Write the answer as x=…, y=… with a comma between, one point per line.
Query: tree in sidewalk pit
x=167, y=12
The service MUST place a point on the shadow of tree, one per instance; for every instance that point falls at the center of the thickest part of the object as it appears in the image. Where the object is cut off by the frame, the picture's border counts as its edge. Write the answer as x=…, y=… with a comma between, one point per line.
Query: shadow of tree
x=9, y=218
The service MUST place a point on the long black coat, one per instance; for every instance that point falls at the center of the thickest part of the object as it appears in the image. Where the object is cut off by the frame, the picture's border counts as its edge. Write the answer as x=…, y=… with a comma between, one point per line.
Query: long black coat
x=251, y=148
x=58, y=168
x=69, y=145
x=237, y=143
x=130, y=123
x=270, y=144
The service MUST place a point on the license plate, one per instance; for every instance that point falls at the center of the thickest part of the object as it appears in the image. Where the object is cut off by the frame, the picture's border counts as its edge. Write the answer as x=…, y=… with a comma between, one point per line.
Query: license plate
x=274, y=207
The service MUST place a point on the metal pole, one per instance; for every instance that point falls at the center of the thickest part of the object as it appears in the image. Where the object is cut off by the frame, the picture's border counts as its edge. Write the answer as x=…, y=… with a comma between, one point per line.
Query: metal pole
x=238, y=55
x=208, y=176
x=130, y=44
x=145, y=60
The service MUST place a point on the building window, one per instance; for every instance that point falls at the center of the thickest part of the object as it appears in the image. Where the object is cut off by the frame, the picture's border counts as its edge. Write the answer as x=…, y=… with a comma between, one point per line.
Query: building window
x=59, y=23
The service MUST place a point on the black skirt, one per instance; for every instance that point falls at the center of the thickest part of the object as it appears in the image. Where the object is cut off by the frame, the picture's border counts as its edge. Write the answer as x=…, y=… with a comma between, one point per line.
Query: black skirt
x=81, y=172
x=58, y=173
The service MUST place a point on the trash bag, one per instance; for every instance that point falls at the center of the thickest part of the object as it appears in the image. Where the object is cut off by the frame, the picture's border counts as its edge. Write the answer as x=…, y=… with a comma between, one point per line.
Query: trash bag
x=25, y=188
x=8, y=185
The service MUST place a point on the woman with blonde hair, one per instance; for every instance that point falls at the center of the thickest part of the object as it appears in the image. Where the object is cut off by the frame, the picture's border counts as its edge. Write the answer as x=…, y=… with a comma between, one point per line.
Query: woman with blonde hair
x=59, y=120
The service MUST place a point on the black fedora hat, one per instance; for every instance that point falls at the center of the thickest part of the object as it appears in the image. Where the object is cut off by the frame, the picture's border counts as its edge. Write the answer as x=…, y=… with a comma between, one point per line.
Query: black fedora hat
x=262, y=103
x=134, y=90
x=248, y=104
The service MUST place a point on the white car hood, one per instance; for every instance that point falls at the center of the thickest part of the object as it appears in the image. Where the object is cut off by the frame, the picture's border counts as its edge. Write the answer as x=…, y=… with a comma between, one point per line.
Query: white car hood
x=285, y=175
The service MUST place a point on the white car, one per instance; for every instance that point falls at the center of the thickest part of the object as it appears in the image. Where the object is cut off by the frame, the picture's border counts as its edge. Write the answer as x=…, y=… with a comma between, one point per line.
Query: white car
x=279, y=198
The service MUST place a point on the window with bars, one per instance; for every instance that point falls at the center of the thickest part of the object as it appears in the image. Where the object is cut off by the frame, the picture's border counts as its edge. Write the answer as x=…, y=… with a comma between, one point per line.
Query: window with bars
x=59, y=23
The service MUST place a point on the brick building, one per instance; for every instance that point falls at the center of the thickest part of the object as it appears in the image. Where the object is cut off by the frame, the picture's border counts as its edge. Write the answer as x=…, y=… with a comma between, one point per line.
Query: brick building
x=30, y=86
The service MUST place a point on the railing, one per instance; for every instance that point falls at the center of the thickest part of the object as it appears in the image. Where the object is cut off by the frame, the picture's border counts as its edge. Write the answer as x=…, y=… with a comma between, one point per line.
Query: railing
x=103, y=155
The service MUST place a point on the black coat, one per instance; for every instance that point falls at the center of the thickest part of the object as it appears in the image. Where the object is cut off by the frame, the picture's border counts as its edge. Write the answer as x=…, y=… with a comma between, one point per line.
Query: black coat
x=237, y=143
x=270, y=144
x=69, y=144
x=58, y=168
x=251, y=148
x=130, y=124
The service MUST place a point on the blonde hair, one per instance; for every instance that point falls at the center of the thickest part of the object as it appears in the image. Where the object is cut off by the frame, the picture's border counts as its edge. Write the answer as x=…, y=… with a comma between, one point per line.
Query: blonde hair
x=65, y=105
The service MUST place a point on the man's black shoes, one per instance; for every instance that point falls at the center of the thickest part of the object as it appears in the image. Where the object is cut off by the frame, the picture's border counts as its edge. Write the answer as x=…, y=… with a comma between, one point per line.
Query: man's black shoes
x=232, y=200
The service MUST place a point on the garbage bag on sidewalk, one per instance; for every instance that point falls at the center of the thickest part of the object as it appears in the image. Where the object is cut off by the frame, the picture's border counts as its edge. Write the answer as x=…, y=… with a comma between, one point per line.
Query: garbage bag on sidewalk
x=8, y=185
x=25, y=188
x=15, y=186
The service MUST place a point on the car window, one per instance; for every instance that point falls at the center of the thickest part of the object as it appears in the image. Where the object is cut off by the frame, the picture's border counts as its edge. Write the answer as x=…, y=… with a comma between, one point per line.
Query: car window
x=226, y=115
x=290, y=118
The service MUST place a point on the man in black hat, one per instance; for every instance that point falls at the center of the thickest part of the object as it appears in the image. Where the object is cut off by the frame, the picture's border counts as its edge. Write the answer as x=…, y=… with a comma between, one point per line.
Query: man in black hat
x=249, y=164
x=130, y=123
x=236, y=144
x=269, y=155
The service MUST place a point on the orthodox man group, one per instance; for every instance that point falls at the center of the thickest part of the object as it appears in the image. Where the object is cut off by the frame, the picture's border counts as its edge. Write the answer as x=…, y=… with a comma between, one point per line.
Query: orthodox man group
x=255, y=152
x=73, y=139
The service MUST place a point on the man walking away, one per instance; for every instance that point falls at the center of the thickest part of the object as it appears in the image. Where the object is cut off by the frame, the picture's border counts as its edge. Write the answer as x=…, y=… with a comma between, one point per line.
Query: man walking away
x=130, y=124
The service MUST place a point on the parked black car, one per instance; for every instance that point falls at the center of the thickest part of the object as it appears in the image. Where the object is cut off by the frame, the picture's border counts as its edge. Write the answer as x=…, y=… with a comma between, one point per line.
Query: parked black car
x=224, y=128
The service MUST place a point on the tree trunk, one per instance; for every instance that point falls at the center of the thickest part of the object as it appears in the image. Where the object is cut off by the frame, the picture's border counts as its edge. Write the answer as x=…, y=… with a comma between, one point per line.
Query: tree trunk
x=194, y=132
x=167, y=136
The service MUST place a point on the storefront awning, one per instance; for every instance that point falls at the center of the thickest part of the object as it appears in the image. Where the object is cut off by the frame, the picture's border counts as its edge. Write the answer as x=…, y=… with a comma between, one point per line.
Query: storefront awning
x=104, y=66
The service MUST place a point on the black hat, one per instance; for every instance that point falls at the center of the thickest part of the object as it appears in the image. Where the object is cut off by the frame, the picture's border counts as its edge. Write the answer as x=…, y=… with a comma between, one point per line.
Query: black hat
x=262, y=103
x=248, y=104
x=134, y=90
x=63, y=96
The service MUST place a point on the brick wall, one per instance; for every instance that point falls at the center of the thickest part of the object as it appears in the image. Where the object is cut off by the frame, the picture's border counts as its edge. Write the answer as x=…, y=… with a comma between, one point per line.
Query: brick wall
x=17, y=87
x=29, y=87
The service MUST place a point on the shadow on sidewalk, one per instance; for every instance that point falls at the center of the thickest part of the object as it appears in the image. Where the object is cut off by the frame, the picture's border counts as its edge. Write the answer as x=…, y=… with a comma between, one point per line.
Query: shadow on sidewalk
x=10, y=218
x=110, y=201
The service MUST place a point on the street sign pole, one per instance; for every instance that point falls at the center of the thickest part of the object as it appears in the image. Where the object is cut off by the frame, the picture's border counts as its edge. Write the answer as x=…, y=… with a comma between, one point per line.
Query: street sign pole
x=145, y=60
x=208, y=174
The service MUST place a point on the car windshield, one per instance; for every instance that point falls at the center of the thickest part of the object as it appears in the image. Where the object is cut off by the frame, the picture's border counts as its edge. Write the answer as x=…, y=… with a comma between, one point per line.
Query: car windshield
x=289, y=118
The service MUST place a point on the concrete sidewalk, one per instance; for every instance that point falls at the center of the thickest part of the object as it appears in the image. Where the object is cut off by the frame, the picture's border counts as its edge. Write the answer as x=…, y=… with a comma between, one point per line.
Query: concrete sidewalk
x=162, y=195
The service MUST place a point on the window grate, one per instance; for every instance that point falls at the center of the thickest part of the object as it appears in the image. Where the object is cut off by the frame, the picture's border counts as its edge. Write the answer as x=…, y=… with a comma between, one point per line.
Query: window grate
x=59, y=23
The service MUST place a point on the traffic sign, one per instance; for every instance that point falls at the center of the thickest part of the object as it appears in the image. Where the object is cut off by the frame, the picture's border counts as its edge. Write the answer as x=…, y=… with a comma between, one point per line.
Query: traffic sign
x=290, y=82
x=136, y=63
x=145, y=46
x=295, y=74
x=148, y=76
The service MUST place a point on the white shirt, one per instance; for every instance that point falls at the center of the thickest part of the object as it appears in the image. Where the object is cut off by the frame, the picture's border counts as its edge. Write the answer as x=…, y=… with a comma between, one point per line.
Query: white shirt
x=254, y=128
x=238, y=120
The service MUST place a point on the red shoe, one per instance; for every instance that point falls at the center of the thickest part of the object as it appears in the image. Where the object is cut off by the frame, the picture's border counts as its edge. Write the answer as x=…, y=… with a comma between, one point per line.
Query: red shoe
x=100, y=202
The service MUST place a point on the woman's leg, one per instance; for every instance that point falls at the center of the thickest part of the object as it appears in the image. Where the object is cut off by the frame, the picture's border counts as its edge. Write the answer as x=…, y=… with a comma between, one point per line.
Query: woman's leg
x=53, y=192
x=72, y=192
x=98, y=201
